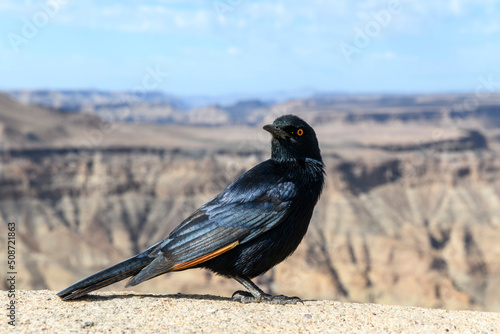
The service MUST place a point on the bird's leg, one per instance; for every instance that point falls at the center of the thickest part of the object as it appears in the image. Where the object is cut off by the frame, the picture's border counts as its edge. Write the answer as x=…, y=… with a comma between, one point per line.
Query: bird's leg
x=256, y=295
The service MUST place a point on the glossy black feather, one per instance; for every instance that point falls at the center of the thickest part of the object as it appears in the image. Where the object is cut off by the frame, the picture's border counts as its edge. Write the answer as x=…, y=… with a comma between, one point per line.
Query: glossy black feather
x=261, y=251
x=265, y=212
x=256, y=202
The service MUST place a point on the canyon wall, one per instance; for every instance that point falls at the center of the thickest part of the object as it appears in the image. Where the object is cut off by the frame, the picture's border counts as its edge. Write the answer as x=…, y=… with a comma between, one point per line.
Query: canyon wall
x=411, y=229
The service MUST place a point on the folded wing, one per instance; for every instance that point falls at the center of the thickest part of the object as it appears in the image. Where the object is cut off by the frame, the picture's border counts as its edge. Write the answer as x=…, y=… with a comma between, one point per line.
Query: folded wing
x=245, y=210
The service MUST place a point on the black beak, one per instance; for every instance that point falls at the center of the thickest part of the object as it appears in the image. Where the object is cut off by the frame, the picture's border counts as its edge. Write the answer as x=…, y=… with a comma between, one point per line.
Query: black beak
x=276, y=131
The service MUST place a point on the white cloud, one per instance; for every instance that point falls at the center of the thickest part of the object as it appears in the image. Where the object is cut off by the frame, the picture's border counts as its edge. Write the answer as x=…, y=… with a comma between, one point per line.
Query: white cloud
x=132, y=16
x=489, y=27
x=279, y=34
x=316, y=15
x=12, y=6
x=232, y=50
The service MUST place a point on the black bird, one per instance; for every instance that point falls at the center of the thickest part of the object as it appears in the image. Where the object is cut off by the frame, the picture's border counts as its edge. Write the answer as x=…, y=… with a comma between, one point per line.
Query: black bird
x=252, y=225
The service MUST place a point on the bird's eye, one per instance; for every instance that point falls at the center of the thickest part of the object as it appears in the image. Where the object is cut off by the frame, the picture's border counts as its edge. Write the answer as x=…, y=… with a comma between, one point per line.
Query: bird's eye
x=300, y=132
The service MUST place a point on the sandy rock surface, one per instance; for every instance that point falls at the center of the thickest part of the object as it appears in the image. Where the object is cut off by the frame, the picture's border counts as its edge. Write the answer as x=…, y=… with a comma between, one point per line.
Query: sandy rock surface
x=118, y=312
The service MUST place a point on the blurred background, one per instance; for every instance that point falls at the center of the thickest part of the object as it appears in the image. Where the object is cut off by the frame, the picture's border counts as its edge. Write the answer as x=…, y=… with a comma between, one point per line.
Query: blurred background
x=119, y=119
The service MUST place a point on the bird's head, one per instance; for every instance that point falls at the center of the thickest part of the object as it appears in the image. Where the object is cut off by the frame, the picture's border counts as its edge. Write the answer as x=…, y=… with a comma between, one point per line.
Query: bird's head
x=293, y=139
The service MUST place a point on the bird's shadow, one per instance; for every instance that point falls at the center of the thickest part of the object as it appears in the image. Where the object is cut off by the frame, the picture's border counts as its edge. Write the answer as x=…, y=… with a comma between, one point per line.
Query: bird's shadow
x=95, y=297
x=180, y=296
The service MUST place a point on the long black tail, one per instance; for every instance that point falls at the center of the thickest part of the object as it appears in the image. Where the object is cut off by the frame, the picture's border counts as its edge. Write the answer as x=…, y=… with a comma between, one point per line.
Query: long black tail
x=105, y=277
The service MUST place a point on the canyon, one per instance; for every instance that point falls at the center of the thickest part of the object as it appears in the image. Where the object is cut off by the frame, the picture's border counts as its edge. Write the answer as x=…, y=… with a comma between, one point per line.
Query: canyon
x=410, y=213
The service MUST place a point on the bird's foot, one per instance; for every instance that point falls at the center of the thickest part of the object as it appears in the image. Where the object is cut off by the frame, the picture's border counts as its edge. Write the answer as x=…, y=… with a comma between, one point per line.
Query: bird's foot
x=246, y=297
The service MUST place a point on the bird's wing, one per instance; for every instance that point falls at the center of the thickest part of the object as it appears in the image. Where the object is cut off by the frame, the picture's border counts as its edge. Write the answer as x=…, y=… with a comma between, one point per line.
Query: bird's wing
x=221, y=223
x=241, y=213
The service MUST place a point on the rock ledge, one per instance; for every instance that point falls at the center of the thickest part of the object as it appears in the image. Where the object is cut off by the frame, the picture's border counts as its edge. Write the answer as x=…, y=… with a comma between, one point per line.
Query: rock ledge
x=123, y=312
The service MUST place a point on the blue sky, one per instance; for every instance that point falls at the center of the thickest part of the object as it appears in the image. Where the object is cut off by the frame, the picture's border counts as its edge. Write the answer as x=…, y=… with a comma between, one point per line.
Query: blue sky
x=254, y=47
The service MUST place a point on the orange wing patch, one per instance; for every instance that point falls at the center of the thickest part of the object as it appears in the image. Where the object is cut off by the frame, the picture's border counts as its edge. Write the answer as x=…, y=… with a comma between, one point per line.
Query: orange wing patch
x=203, y=258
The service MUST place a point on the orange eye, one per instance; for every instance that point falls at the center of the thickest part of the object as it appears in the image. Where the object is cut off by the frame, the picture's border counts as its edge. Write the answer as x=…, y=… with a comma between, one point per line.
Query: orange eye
x=300, y=132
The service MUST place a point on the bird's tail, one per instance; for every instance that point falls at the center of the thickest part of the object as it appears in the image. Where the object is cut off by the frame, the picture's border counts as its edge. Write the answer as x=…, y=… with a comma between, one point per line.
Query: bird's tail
x=105, y=277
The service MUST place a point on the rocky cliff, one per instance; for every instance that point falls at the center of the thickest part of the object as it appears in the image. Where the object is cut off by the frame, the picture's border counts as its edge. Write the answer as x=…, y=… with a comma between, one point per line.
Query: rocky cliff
x=401, y=230
x=160, y=108
x=410, y=213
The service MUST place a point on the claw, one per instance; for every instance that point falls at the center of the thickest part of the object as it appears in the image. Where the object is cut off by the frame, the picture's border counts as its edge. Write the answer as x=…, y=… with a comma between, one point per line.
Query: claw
x=246, y=297
x=285, y=300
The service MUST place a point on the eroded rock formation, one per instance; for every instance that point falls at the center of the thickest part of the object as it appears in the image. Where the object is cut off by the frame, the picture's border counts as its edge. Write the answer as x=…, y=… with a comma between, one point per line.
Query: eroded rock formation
x=405, y=231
